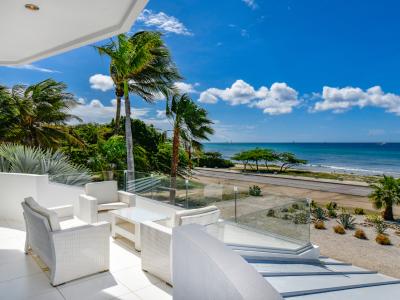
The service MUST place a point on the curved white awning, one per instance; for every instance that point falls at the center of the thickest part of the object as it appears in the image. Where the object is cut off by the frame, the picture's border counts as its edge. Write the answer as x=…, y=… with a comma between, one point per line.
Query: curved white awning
x=56, y=26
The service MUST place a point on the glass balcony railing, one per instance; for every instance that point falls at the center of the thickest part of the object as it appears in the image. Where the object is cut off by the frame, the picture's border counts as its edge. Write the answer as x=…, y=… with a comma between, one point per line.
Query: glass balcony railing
x=265, y=219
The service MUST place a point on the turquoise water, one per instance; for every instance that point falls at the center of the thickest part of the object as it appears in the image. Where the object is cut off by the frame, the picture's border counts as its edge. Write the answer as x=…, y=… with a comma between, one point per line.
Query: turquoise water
x=357, y=158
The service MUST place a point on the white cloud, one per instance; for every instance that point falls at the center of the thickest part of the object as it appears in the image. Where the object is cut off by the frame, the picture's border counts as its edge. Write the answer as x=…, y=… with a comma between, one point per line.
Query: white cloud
x=161, y=113
x=96, y=111
x=342, y=99
x=101, y=82
x=279, y=99
x=207, y=97
x=250, y=3
x=186, y=87
x=163, y=22
x=33, y=68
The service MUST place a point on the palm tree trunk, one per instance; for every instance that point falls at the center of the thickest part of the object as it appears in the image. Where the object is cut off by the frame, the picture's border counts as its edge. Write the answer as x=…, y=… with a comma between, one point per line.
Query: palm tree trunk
x=388, y=213
x=174, y=162
x=117, y=113
x=128, y=135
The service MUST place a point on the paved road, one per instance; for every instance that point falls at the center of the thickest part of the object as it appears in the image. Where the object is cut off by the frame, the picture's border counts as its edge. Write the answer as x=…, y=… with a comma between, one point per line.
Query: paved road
x=297, y=183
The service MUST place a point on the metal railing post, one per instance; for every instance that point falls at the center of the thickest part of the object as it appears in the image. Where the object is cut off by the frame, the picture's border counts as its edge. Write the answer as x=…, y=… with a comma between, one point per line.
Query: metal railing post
x=235, y=189
x=187, y=185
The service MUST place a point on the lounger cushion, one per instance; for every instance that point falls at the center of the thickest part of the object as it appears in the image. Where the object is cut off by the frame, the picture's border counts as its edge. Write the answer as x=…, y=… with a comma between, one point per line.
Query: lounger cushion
x=51, y=216
x=113, y=205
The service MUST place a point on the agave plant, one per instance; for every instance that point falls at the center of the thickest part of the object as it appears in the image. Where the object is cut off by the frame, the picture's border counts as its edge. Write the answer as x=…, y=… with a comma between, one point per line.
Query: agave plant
x=346, y=220
x=31, y=160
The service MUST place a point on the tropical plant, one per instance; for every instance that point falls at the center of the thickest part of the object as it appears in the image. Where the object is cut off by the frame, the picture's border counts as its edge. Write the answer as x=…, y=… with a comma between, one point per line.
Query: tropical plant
x=34, y=115
x=319, y=213
x=255, y=190
x=142, y=65
x=189, y=118
x=331, y=205
x=380, y=226
x=332, y=213
x=386, y=193
x=346, y=220
x=32, y=160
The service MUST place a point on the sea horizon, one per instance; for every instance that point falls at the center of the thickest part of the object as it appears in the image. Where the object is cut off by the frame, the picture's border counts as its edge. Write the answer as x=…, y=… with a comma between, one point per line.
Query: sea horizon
x=362, y=158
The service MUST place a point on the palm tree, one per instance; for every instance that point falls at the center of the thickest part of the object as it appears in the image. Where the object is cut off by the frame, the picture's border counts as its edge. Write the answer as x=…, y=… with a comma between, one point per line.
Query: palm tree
x=189, y=120
x=39, y=113
x=142, y=65
x=386, y=194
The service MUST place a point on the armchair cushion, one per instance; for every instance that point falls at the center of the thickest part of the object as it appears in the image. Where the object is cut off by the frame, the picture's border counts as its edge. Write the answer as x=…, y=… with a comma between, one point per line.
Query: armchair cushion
x=112, y=205
x=104, y=192
x=51, y=216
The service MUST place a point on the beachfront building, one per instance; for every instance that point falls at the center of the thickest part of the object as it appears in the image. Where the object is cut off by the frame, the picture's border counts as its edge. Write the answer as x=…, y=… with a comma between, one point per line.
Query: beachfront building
x=128, y=238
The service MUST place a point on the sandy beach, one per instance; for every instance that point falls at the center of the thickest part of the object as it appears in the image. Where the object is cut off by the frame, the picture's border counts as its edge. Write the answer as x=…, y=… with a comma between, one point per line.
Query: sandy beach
x=363, y=253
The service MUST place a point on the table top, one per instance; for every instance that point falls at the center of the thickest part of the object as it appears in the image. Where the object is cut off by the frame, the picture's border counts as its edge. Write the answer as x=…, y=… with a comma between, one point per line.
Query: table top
x=137, y=215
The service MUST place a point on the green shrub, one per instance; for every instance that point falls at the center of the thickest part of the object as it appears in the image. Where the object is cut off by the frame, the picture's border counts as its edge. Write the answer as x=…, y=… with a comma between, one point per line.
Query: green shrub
x=372, y=218
x=319, y=224
x=346, y=220
x=360, y=234
x=331, y=205
x=295, y=206
x=339, y=229
x=359, y=211
x=332, y=213
x=380, y=226
x=255, y=190
x=313, y=204
x=214, y=160
x=319, y=213
x=291, y=210
x=383, y=239
x=301, y=218
x=271, y=213
x=285, y=210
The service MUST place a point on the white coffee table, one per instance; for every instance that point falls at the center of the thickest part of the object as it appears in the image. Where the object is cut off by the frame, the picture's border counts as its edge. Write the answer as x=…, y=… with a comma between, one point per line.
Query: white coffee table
x=126, y=222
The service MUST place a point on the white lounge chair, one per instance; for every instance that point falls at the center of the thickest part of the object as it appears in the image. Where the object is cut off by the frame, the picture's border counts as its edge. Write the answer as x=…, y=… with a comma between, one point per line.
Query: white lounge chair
x=156, y=239
x=68, y=253
x=100, y=197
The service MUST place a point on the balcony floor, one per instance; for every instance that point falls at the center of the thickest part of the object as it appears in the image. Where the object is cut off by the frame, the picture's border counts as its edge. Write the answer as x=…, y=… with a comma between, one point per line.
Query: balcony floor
x=24, y=277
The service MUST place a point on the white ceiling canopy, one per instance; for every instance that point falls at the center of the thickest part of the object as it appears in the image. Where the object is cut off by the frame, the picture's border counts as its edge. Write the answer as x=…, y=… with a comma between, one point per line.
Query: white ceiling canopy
x=34, y=29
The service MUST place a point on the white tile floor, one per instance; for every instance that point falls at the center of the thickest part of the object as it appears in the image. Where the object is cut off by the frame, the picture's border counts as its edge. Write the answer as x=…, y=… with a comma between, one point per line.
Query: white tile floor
x=22, y=278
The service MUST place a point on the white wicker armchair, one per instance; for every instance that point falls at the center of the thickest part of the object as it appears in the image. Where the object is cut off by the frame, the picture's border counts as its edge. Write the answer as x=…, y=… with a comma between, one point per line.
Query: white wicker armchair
x=70, y=253
x=99, y=197
x=156, y=239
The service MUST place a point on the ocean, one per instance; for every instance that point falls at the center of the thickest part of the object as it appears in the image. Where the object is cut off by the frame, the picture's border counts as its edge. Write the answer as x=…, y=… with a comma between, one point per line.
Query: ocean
x=355, y=158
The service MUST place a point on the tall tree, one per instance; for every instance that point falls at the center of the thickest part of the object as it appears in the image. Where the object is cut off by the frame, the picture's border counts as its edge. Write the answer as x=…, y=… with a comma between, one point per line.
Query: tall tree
x=191, y=119
x=140, y=64
x=36, y=114
x=386, y=193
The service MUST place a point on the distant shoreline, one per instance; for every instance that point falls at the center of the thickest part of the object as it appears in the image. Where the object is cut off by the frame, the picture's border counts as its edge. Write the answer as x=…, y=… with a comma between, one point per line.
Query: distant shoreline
x=364, y=159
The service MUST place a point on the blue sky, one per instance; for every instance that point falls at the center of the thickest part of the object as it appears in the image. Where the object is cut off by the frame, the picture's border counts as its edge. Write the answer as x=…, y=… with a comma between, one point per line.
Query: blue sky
x=267, y=71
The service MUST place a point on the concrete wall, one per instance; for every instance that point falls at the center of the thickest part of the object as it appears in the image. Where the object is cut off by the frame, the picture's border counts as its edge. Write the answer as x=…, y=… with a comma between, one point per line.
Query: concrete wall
x=15, y=187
